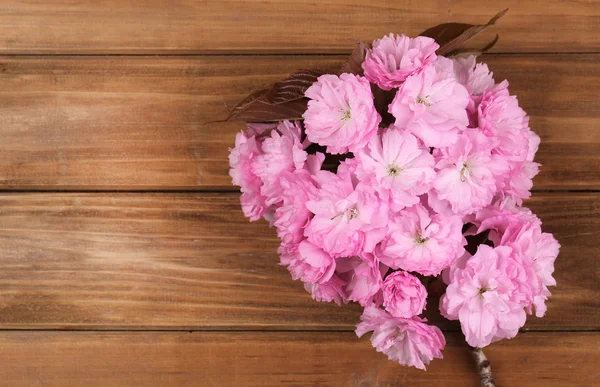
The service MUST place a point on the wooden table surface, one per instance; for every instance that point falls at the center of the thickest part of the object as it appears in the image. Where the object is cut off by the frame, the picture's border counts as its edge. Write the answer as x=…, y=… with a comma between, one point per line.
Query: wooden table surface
x=126, y=260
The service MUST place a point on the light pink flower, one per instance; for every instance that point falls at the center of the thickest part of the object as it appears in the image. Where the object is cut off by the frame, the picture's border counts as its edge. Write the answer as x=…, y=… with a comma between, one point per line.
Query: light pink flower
x=281, y=151
x=308, y=262
x=292, y=215
x=397, y=166
x=349, y=218
x=518, y=228
x=504, y=222
x=403, y=295
x=540, y=248
x=363, y=276
x=469, y=175
x=410, y=342
x=500, y=117
x=341, y=114
x=476, y=77
x=519, y=181
x=432, y=105
x=487, y=293
x=332, y=290
x=393, y=58
x=423, y=242
x=241, y=158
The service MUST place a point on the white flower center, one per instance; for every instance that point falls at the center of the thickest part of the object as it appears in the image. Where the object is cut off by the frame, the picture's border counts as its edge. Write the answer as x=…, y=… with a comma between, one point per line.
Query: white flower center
x=419, y=239
x=464, y=172
x=424, y=100
x=393, y=170
x=350, y=214
x=347, y=114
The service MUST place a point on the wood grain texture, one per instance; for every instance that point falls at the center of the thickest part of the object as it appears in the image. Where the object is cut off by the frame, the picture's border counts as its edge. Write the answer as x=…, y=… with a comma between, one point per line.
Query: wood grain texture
x=200, y=26
x=192, y=261
x=122, y=123
x=281, y=359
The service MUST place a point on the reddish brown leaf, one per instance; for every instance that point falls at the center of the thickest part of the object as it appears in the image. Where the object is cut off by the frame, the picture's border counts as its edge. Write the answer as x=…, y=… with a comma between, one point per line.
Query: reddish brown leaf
x=292, y=87
x=354, y=63
x=260, y=110
x=466, y=52
x=451, y=35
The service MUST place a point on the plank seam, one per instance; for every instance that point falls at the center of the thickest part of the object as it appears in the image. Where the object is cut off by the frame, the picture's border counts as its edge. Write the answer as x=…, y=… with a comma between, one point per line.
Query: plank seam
x=532, y=53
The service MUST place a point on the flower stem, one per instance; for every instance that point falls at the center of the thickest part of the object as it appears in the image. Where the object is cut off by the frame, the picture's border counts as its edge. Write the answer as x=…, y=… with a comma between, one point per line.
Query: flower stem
x=484, y=367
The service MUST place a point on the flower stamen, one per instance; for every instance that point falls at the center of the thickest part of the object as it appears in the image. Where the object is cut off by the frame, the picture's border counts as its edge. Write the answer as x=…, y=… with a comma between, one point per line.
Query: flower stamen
x=350, y=213
x=420, y=240
x=464, y=172
x=424, y=100
x=393, y=170
x=347, y=115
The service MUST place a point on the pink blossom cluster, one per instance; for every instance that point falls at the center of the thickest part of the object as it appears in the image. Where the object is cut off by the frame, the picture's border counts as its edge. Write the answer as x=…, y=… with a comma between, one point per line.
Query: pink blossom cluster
x=455, y=163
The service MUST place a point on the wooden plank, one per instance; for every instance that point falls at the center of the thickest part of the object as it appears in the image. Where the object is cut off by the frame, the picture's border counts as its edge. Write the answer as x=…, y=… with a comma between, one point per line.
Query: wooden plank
x=276, y=359
x=137, y=123
x=192, y=261
x=200, y=26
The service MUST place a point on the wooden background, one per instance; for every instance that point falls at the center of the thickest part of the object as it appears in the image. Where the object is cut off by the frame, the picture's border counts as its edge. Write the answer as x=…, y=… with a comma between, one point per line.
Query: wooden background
x=125, y=258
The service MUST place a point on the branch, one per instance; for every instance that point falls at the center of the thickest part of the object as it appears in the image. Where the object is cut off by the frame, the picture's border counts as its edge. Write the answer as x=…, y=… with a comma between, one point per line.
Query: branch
x=484, y=367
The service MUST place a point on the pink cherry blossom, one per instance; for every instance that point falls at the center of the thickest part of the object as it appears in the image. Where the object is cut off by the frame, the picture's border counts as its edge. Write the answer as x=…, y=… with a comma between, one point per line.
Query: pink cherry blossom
x=468, y=174
x=341, y=114
x=410, y=342
x=486, y=293
x=476, y=77
x=241, y=158
x=363, y=276
x=332, y=290
x=504, y=222
x=292, y=215
x=349, y=218
x=393, y=58
x=308, y=262
x=518, y=228
x=397, y=166
x=500, y=117
x=281, y=151
x=422, y=241
x=519, y=181
x=403, y=295
x=432, y=105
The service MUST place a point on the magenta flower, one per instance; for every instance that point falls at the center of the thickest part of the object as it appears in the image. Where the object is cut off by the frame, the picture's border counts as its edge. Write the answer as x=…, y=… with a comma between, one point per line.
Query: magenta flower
x=432, y=105
x=469, y=175
x=341, y=114
x=487, y=293
x=393, y=58
x=423, y=242
x=404, y=295
x=410, y=342
x=397, y=166
x=349, y=218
